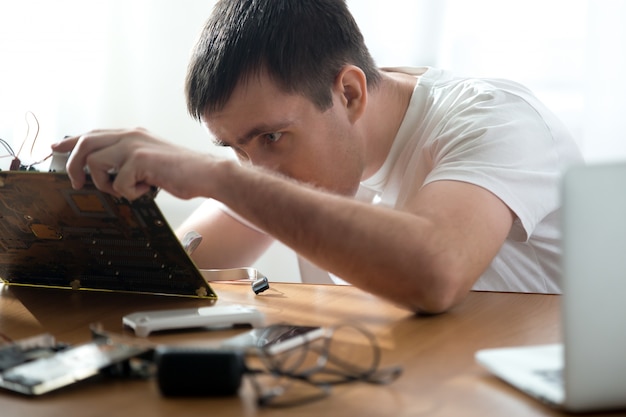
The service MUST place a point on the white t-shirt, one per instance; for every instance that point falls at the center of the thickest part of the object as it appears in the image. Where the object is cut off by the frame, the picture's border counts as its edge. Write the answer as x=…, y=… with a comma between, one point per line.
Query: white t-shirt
x=492, y=133
x=497, y=135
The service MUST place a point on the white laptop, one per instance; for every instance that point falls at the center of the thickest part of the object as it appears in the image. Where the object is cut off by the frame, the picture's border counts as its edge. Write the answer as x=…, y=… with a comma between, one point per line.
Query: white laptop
x=587, y=372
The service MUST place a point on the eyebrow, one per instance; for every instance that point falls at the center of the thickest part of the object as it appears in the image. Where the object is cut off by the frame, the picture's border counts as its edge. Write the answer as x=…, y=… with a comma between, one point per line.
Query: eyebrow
x=253, y=132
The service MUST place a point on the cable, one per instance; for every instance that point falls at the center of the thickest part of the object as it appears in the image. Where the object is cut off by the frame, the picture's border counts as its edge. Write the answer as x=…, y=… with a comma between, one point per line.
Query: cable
x=28, y=133
x=7, y=147
x=16, y=163
x=329, y=369
x=281, y=380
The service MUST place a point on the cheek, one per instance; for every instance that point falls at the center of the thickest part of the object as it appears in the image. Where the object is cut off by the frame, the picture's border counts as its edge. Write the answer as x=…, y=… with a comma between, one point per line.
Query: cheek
x=336, y=171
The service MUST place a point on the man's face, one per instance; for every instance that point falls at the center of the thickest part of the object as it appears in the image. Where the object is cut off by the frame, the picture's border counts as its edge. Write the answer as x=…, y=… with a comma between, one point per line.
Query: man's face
x=287, y=133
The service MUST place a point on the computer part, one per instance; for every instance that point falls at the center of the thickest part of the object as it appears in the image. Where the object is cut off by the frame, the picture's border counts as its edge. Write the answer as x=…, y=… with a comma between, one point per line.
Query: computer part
x=52, y=235
x=67, y=366
x=218, y=316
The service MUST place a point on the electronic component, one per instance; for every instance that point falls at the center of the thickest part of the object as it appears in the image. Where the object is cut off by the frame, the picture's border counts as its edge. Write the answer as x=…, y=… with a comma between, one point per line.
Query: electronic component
x=146, y=322
x=52, y=235
x=259, y=282
x=198, y=372
x=260, y=285
x=57, y=164
x=26, y=350
x=66, y=367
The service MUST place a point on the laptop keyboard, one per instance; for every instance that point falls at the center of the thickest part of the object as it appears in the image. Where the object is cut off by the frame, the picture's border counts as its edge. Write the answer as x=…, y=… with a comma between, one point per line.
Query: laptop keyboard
x=552, y=376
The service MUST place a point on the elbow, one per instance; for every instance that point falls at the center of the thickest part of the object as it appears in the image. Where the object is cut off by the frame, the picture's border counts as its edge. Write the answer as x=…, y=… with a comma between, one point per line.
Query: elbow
x=440, y=291
x=435, y=302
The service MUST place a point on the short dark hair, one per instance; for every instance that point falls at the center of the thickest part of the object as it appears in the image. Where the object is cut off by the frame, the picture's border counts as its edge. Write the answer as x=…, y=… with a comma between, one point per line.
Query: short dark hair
x=301, y=44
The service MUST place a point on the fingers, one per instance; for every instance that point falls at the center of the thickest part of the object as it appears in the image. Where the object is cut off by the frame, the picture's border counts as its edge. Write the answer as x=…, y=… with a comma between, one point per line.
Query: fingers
x=85, y=152
x=110, y=157
x=66, y=145
x=128, y=183
x=127, y=163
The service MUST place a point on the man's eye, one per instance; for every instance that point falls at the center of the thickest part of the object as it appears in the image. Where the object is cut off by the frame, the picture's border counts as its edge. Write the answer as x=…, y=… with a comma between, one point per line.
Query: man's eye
x=220, y=143
x=269, y=138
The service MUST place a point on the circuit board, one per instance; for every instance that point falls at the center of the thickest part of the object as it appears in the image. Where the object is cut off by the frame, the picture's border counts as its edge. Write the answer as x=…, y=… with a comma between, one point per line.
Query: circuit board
x=39, y=364
x=52, y=235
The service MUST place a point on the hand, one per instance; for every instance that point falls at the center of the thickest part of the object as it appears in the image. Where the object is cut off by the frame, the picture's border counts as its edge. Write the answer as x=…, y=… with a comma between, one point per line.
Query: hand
x=138, y=159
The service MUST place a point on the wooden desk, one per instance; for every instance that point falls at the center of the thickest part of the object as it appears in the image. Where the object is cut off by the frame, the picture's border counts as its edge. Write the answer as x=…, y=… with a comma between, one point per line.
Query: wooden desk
x=440, y=375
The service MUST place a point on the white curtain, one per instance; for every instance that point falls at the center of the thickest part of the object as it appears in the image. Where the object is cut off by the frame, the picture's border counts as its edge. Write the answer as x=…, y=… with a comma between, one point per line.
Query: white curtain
x=570, y=52
x=109, y=63
x=79, y=65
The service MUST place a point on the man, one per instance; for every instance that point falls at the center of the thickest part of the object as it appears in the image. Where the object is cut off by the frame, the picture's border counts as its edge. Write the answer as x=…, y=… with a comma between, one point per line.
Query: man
x=457, y=180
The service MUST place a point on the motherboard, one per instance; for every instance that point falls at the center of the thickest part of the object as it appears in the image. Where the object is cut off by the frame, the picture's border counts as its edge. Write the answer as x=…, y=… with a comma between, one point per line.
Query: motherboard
x=53, y=235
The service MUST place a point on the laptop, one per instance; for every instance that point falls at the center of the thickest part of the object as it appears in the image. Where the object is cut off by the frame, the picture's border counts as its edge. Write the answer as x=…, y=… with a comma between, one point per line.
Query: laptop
x=54, y=236
x=587, y=372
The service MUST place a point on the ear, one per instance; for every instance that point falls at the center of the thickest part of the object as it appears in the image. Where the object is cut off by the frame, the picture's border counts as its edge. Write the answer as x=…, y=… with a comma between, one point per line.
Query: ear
x=351, y=86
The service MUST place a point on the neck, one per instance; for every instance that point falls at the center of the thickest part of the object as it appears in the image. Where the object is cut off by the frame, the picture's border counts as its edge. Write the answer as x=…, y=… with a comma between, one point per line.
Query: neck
x=385, y=111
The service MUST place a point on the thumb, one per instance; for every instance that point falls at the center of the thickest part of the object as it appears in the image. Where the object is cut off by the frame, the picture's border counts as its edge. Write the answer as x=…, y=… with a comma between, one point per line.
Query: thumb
x=66, y=144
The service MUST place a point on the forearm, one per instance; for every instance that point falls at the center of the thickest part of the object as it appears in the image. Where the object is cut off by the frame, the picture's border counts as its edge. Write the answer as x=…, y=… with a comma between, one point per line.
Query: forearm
x=225, y=242
x=425, y=256
x=390, y=253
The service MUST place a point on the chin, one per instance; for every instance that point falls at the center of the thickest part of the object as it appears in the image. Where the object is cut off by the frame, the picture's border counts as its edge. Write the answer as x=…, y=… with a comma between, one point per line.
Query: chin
x=343, y=188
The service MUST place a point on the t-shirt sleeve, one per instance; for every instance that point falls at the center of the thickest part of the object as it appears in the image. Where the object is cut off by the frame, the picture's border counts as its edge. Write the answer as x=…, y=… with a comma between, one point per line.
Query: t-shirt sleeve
x=505, y=142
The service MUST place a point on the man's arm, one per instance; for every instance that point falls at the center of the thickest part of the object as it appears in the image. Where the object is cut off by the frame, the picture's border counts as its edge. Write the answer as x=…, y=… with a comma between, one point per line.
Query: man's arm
x=226, y=242
x=425, y=256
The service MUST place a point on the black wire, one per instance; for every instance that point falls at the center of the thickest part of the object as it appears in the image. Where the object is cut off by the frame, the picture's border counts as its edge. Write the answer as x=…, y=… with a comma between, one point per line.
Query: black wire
x=266, y=397
x=329, y=369
x=7, y=147
x=287, y=370
x=346, y=371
